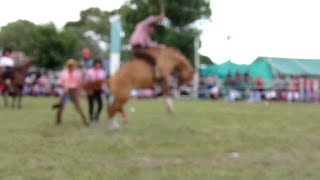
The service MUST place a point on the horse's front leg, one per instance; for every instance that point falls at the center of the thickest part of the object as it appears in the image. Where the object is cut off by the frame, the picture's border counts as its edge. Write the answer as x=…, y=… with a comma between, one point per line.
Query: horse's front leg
x=166, y=92
x=5, y=99
x=13, y=102
x=19, y=100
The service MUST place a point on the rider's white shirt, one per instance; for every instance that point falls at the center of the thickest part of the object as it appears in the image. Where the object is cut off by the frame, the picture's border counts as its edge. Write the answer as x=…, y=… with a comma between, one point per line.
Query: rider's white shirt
x=6, y=62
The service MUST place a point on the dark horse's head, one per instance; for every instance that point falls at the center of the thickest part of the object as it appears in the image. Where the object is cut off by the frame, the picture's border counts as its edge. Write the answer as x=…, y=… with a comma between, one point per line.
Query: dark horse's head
x=20, y=71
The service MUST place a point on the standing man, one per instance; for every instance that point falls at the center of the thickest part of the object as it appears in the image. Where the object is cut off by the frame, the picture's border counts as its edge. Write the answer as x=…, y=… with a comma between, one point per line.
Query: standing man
x=86, y=62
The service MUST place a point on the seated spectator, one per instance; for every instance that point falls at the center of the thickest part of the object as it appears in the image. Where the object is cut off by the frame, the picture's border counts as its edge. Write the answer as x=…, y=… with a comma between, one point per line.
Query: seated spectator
x=234, y=94
x=211, y=86
x=271, y=94
x=293, y=94
x=256, y=94
x=281, y=87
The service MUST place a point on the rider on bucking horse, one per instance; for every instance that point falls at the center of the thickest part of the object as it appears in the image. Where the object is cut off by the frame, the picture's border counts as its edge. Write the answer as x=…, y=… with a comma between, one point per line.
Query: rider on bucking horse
x=7, y=63
x=140, y=41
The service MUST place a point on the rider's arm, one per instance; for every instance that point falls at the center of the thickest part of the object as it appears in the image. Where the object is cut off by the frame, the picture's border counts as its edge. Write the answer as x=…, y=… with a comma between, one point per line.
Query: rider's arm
x=151, y=19
x=151, y=44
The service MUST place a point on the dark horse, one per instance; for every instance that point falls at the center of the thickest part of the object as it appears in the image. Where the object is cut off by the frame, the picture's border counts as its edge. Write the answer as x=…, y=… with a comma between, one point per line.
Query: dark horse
x=139, y=74
x=15, y=90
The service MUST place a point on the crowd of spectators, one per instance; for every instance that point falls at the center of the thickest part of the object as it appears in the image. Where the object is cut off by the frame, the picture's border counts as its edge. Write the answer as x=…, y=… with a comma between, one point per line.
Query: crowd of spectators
x=42, y=84
x=239, y=86
x=233, y=87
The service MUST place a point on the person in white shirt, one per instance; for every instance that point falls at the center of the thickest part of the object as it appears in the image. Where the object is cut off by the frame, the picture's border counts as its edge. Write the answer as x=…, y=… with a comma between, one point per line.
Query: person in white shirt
x=6, y=60
x=7, y=63
x=96, y=73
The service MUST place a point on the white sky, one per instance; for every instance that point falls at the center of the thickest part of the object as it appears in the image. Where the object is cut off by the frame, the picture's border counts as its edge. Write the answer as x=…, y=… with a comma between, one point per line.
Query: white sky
x=279, y=28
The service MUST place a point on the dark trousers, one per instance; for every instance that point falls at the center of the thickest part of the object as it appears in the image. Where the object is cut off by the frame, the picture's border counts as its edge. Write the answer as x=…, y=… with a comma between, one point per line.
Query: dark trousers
x=95, y=97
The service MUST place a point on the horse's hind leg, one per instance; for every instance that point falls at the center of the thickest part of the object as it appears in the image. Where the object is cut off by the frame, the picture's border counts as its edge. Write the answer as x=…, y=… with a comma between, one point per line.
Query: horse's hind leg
x=20, y=98
x=167, y=94
x=112, y=110
x=19, y=101
x=124, y=116
x=13, y=102
x=5, y=99
x=116, y=106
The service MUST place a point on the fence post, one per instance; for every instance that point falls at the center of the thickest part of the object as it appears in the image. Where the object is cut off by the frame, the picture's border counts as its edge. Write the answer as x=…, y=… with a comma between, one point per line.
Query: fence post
x=115, y=49
x=197, y=67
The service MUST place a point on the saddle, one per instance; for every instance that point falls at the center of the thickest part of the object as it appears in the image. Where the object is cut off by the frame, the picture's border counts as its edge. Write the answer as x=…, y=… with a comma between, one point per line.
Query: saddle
x=143, y=54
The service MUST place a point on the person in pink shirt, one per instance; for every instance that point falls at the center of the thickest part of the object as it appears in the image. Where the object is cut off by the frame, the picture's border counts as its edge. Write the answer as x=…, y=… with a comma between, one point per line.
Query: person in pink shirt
x=70, y=80
x=96, y=73
x=140, y=40
x=140, y=37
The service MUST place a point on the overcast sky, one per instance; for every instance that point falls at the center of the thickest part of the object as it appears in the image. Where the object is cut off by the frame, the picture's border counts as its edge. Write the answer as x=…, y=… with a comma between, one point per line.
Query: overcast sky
x=280, y=28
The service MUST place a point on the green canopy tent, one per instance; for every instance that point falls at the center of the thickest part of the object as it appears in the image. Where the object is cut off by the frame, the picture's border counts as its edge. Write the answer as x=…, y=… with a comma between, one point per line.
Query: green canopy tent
x=287, y=67
x=221, y=70
x=268, y=68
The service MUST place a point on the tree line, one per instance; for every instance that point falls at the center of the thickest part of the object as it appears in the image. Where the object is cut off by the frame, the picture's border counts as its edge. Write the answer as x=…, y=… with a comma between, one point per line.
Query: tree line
x=49, y=46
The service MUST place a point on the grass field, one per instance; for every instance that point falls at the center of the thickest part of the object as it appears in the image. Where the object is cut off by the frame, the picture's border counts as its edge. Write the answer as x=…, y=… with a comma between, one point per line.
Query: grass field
x=204, y=140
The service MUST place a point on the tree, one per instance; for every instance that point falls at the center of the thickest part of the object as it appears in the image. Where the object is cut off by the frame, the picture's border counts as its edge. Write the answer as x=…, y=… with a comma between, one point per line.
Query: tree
x=93, y=30
x=206, y=60
x=16, y=35
x=180, y=33
x=50, y=48
x=47, y=46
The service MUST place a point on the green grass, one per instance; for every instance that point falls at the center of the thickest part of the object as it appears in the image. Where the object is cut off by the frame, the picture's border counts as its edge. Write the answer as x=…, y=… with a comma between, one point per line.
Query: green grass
x=278, y=141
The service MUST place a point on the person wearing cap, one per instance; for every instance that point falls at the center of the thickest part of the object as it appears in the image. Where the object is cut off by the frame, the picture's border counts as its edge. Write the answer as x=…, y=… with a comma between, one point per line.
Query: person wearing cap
x=70, y=80
x=140, y=39
x=95, y=74
x=85, y=63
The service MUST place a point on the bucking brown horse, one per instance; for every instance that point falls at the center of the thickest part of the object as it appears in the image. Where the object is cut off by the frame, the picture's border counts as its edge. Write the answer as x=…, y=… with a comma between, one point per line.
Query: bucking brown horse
x=15, y=90
x=138, y=74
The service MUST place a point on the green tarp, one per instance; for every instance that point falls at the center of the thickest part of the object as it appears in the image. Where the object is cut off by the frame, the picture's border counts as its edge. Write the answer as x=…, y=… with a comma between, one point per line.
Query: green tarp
x=268, y=68
x=221, y=70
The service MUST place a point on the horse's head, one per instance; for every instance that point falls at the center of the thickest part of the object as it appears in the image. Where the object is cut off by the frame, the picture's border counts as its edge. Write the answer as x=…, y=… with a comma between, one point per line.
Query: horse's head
x=23, y=67
x=183, y=67
x=20, y=71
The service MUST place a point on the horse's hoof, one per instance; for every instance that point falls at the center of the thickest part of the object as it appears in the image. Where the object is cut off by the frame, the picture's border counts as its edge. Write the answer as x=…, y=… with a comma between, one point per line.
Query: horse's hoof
x=169, y=105
x=114, y=125
x=125, y=121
